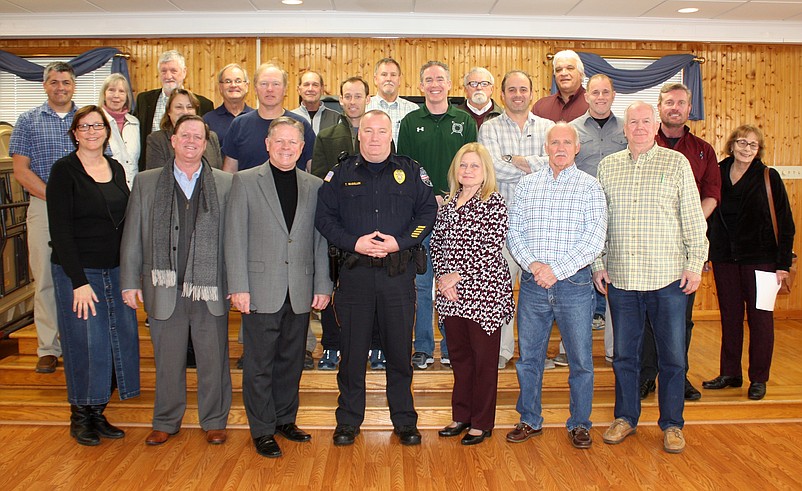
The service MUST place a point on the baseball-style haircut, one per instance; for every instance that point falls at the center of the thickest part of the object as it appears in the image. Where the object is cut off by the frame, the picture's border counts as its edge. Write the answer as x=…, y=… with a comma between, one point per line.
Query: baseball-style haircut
x=568, y=54
x=267, y=66
x=742, y=132
x=231, y=65
x=113, y=79
x=514, y=72
x=60, y=67
x=601, y=76
x=488, y=185
x=432, y=63
x=671, y=87
x=478, y=69
x=385, y=61
x=353, y=80
x=173, y=55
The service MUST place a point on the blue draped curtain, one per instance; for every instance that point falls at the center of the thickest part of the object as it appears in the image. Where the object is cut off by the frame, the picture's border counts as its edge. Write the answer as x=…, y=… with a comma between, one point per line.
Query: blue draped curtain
x=82, y=64
x=630, y=81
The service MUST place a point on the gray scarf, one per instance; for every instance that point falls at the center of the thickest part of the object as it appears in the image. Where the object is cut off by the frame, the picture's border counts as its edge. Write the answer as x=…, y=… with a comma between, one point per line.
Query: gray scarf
x=200, y=277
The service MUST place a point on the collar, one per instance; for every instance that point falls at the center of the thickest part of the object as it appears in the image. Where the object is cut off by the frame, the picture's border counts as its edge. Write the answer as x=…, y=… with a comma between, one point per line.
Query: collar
x=487, y=107
x=222, y=110
x=662, y=136
x=49, y=110
x=649, y=153
x=451, y=111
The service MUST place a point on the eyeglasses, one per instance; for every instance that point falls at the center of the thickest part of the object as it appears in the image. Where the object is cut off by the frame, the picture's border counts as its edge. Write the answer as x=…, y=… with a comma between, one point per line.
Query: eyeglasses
x=742, y=143
x=483, y=84
x=95, y=126
x=238, y=81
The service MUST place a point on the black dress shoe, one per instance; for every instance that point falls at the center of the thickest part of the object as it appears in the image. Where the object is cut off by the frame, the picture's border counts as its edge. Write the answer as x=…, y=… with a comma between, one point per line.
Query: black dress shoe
x=691, y=394
x=266, y=446
x=757, y=390
x=454, y=430
x=408, y=435
x=345, y=435
x=469, y=439
x=722, y=382
x=645, y=388
x=293, y=433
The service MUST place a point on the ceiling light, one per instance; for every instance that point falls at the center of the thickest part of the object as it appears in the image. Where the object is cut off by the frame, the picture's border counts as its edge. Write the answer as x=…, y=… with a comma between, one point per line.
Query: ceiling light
x=689, y=10
x=292, y=2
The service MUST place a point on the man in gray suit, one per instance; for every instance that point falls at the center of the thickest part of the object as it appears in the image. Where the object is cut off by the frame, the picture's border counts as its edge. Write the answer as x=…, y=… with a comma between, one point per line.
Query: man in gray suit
x=171, y=257
x=277, y=272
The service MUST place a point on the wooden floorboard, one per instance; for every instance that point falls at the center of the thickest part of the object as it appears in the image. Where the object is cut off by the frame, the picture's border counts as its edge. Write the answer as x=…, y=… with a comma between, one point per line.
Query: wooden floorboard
x=754, y=456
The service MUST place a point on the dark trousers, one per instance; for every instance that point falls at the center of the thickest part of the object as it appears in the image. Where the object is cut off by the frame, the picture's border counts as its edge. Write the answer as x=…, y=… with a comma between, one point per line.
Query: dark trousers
x=271, y=369
x=474, y=359
x=364, y=297
x=735, y=284
x=648, y=370
x=330, y=339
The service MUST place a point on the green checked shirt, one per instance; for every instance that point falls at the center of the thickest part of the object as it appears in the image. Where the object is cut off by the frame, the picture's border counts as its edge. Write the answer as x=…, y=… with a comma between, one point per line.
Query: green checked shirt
x=655, y=227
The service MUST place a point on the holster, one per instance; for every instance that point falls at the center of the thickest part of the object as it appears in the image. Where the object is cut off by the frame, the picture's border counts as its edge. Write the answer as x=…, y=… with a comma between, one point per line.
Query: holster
x=419, y=256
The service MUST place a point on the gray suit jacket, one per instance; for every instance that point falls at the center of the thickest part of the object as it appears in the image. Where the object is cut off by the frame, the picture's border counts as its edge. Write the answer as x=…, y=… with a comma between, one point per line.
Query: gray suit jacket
x=265, y=260
x=137, y=246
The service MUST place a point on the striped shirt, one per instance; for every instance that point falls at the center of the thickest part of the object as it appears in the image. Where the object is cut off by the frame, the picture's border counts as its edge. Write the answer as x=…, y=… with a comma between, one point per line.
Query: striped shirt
x=557, y=221
x=503, y=136
x=397, y=109
x=42, y=136
x=656, y=227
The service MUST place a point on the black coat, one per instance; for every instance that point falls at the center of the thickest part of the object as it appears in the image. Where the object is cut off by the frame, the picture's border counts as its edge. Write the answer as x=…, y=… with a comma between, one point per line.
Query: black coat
x=752, y=239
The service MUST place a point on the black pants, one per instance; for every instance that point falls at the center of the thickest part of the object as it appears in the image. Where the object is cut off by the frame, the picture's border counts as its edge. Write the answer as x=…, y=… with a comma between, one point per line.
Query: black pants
x=271, y=369
x=366, y=296
x=648, y=356
x=330, y=339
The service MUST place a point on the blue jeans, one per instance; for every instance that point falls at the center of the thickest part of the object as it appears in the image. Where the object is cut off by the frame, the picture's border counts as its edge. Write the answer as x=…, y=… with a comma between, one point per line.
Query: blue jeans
x=424, y=312
x=104, y=345
x=569, y=302
x=600, y=303
x=666, y=310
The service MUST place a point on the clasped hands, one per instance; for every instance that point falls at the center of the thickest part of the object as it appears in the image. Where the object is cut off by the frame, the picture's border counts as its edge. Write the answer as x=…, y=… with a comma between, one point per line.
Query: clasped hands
x=542, y=274
x=447, y=285
x=376, y=244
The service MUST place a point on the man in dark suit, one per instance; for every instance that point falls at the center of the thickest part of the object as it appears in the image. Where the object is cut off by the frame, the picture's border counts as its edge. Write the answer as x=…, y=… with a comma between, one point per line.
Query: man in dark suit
x=150, y=105
x=277, y=272
x=171, y=258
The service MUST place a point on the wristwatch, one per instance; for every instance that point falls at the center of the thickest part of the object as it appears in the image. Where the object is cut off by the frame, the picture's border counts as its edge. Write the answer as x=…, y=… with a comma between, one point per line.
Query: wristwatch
x=506, y=158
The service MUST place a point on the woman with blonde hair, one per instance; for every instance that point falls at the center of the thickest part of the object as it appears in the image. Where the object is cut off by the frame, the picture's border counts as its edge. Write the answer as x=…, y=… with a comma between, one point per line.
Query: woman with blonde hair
x=115, y=100
x=474, y=289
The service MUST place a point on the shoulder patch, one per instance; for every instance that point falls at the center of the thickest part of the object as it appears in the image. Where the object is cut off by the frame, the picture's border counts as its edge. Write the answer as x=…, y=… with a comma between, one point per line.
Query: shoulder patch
x=329, y=176
x=425, y=177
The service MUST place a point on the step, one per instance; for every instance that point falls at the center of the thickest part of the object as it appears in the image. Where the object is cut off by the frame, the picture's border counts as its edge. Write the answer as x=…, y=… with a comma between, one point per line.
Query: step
x=18, y=371
x=36, y=405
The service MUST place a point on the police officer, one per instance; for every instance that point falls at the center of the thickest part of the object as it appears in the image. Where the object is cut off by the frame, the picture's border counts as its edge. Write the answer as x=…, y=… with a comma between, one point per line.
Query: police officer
x=376, y=208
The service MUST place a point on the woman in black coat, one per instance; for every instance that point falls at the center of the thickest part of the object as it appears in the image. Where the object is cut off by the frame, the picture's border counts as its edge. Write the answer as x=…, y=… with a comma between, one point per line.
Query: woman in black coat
x=742, y=241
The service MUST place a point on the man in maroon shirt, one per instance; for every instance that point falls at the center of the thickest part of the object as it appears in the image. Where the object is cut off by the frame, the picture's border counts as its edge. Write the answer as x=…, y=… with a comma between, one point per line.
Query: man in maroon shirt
x=674, y=105
x=569, y=102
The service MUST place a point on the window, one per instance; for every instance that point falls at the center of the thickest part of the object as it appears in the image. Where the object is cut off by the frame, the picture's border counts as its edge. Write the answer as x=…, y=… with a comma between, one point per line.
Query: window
x=622, y=101
x=18, y=95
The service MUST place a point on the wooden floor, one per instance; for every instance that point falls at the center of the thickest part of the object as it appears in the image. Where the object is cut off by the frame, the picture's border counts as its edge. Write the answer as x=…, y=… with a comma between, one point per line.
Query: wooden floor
x=733, y=443
x=733, y=457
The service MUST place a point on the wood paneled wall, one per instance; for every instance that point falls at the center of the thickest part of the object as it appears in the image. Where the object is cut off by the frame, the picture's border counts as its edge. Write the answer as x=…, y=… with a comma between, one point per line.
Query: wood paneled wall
x=744, y=83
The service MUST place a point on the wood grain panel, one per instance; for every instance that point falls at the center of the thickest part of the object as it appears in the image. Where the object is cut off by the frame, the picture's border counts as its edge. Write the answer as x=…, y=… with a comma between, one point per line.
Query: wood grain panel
x=744, y=83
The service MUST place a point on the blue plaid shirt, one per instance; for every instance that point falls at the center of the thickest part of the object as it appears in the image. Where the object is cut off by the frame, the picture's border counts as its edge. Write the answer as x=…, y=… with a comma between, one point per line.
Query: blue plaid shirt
x=42, y=136
x=561, y=222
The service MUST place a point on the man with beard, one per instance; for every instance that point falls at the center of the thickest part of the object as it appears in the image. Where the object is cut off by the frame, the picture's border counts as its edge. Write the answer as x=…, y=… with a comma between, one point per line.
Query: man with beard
x=479, y=103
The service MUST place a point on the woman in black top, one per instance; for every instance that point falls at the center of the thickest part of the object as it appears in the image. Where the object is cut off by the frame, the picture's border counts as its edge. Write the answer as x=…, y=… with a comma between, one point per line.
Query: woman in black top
x=86, y=200
x=742, y=241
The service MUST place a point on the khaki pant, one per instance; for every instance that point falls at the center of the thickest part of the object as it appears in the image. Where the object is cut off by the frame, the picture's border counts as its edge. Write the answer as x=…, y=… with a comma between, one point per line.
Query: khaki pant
x=44, y=307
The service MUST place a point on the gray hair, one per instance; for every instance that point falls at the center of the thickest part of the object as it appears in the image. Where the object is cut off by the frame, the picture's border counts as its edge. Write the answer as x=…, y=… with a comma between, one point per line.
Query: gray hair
x=229, y=66
x=173, y=55
x=432, y=63
x=568, y=54
x=478, y=69
x=60, y=67
x=113, y=79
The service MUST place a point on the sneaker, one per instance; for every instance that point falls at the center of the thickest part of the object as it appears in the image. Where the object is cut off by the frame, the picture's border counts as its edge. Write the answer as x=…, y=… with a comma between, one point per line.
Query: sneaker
x=421, y=360
x=549, y=364
x=618, y=431
x=377, y=360
x=330, y=360
x=598, y=322
x=673, y=441
x=445, y=362
x=309, y=362
x=561, y=360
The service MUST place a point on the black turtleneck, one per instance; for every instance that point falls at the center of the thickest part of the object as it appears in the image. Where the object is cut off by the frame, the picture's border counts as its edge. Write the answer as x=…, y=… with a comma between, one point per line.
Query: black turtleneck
x=287, y=190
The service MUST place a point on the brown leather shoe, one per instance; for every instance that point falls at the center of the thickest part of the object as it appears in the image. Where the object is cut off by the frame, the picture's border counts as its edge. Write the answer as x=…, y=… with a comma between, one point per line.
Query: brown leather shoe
x=216, y=437
x=580, y=437
x=522, y=433
x=157, y=437
x=47, y=364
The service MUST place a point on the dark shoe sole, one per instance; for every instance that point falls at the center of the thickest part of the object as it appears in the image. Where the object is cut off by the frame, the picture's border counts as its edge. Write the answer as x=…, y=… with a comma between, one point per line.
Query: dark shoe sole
x=530, y=436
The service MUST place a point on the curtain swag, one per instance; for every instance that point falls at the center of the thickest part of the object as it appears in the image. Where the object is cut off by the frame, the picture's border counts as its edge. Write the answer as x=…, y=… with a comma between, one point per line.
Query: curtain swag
x=630, y=81
x=82, y=64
